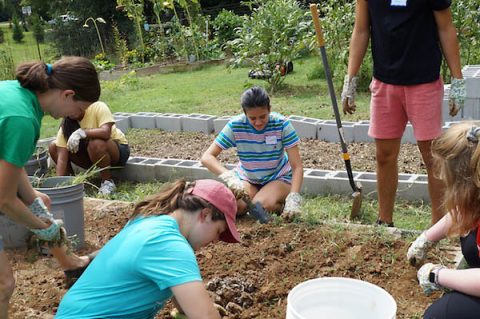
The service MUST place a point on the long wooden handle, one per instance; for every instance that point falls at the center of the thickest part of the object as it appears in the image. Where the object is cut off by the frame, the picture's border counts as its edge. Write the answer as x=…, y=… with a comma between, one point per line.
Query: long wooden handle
x=316, y=23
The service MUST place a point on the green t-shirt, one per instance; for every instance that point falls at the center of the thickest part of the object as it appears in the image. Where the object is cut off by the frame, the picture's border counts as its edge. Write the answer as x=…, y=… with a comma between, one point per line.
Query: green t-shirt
x=20, y=121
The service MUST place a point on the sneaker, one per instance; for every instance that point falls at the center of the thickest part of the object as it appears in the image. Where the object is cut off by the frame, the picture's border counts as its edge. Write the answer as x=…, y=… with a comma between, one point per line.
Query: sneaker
x=107, y=187
x=382, y=223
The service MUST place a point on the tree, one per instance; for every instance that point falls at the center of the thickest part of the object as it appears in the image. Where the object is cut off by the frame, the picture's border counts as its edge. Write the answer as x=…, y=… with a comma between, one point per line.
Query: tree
x=17, y=30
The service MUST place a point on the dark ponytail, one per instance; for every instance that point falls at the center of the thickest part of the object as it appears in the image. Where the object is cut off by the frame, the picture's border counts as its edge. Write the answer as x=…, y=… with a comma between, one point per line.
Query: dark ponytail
x=68, y=73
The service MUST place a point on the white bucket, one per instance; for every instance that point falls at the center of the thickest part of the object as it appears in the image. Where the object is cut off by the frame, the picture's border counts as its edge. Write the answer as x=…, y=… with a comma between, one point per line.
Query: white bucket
x=339, y=298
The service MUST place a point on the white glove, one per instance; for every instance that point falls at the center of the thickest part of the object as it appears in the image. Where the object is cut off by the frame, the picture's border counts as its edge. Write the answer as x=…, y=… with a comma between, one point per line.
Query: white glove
x=74, y=140
x=423, y=276
x=418, y=249
x=348, y=94
x=234, y=183
x=456, y=96
x=293, y=204
x=51, y=234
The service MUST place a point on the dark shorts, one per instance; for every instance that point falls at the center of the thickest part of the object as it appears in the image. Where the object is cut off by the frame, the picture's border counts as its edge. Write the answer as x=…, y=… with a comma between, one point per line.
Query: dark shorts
x=124, y=154
x=1, y=243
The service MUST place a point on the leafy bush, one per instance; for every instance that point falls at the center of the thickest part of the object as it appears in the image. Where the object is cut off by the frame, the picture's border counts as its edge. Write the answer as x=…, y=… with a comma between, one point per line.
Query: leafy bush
x=275, y=33
x=38, y=28
x=224, y=26
x=2, y=36
x=102, y=63
x=120, y=45
x=7, y=66
x=64, y=34
x=17, y=31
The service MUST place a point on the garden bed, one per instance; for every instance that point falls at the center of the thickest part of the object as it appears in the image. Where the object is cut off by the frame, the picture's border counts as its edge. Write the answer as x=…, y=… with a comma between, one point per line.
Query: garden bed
x=315, y=154
x=252, y=279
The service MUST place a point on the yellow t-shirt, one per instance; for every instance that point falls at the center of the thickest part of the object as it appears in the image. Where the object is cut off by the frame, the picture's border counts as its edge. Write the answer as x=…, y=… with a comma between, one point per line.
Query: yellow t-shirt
x=95, y=116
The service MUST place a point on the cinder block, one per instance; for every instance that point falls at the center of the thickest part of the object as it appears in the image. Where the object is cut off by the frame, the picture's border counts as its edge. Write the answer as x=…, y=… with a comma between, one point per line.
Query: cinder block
x=314, y=181
x=145, y=120
x=360, y=132
x=305, y=127
x=471, y=74
x=169, y=122
x=122, y=123
x=220, y=122
x=132, y=171
x=198, y=123
x=408, y=135
x=337, y=182
x=415, y=188
x=328, y=131
x=471, y=110
x=368, y=182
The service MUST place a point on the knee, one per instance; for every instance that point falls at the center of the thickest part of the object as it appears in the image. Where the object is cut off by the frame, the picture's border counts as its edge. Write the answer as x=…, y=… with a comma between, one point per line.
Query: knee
x=97, y=146
x=7, y=285
x=268, y=204
x=384, y=157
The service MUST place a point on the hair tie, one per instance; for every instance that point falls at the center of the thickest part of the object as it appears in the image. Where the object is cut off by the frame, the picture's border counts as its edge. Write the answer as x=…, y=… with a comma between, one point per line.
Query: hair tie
x=472, y=135
x=48, y=68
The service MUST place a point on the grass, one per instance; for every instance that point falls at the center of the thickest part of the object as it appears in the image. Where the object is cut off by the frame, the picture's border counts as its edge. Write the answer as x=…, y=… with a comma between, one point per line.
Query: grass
x=27, y=49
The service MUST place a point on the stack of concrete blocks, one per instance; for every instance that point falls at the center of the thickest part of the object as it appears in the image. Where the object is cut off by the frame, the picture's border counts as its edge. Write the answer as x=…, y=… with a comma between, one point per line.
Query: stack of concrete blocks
x=305, y=127
x=145, y=120
x=327, y=131
x=170, y=122
x=472, y=102
x=198, y=123
x=471, y=109
x=122, y=121
x=220, y=122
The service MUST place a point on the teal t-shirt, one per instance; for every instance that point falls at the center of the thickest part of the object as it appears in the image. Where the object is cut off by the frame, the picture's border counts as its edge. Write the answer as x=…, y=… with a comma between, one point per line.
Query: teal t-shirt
x=20, y=121
x=132, y=274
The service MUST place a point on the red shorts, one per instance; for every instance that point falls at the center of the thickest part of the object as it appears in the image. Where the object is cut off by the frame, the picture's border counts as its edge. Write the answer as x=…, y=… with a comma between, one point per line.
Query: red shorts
x=392, y=106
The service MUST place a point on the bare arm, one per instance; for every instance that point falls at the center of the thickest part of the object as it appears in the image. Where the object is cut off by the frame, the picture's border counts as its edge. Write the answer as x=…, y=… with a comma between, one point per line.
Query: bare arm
x=62, y=161
x=297, y=168
x=194, y=301
x=462, y=280
x=11, y=182
x=449, y=42
x=104, y=132
x=360, y=38
x=440, y=229
x=210, y=161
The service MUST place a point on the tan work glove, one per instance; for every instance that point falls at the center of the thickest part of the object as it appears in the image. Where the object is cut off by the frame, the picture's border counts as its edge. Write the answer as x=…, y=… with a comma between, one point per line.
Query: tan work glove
x=417, y=252
x=348, y=94
x=234, y=183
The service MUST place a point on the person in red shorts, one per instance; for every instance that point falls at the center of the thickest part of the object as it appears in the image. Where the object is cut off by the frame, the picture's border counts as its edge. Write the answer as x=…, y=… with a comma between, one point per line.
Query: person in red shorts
x=408, y=39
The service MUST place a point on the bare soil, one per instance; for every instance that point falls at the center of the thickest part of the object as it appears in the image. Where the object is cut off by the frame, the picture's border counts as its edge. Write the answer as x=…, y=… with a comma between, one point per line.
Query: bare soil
x=249, y=280
x=315, y=154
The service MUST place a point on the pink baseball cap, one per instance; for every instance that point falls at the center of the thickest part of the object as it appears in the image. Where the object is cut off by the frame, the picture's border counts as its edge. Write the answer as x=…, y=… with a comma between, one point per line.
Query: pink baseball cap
x=223, y=199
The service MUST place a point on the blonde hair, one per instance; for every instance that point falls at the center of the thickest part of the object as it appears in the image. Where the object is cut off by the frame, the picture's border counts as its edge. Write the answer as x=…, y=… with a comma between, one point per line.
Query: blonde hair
x=171, y=197
x=457, y=158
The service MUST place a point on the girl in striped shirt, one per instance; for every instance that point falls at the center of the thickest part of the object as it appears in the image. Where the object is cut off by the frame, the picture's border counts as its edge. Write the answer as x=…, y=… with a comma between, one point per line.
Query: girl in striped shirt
x=270, y=169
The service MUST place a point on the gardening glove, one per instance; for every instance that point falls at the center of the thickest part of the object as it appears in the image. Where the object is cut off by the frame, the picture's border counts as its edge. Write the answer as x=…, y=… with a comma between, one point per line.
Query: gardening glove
x=39, y=209
x=234, y=183
x=348, y=94
x=423, y=276
x=55, y=234
x=456, y=97
x=418, y=249
x=74, y=140
x=293, y=204
x=175, y=314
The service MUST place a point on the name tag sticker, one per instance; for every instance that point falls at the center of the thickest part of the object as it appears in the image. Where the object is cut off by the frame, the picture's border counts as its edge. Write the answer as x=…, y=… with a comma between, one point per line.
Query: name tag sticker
x=270, y=140
x=398, y=3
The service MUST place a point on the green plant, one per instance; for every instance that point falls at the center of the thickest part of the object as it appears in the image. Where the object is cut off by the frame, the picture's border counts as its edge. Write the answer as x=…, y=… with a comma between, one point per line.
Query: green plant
x=17, y=31
x=2, y=36
x=275, y=33
x=224, y=26
x=38, y=28
x=120, y=45
x=102, y=63
x=134, y=9
x=7, y=65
